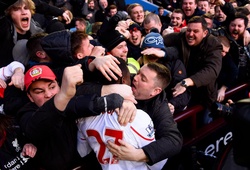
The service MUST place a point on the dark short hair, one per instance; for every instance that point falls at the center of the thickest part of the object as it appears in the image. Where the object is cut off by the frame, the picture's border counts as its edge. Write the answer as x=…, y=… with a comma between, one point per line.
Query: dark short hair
x=160, y=7
x=179, y=11
x=112, y=7
x=163, y=77
x=125, y=73
x=208, y=15
x=76, y=41
x=34, y=44
x=199, y=19
x=195, y=1
x=82, y=20
x=242, y=10
x=239, y=15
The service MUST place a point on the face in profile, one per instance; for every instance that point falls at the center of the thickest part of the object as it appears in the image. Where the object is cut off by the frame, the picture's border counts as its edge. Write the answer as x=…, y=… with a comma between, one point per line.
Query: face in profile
x=143, y=85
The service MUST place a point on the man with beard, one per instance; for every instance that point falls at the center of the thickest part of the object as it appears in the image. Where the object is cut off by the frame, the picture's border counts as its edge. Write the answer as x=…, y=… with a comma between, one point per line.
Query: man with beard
x=235, y=32
x=190, y=9
x=201, y=55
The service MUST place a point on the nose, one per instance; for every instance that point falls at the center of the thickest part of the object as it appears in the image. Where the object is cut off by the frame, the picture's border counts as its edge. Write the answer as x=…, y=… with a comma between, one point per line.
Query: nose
x=48, y=94
x=190, y=33
x=125, y=49
x=135, y=78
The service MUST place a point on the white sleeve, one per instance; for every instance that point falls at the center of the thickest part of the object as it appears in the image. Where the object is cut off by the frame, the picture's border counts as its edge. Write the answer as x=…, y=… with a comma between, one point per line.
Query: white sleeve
x=83, y=146
x=7, y=71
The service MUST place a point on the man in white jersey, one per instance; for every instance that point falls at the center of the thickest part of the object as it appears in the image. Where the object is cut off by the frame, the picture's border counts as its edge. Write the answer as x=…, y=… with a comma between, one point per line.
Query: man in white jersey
x=95, y=131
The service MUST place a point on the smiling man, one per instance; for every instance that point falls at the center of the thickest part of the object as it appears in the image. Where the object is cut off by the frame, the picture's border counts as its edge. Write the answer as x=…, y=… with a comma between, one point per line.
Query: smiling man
x=201, y=55
x=191, y=9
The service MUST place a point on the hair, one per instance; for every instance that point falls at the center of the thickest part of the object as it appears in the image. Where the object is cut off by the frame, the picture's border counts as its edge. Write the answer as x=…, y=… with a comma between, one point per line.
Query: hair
x=151, y=17
x=29, y=3
x=233, y=1
x=112, y=7
x=216, y=6
x=195, y=1
x=178, y=10
x=90, y=1
x=96, y=27
x=242, y=10
x=34, y=44
x=203, y=0
x=224, y=41
x=199, y=19
x=125, y=73
x=131, y=7
x=76, y=41
x=160, y=7
x=239, y=15
x=163, y=77
x=208, y=15
x=82, y=20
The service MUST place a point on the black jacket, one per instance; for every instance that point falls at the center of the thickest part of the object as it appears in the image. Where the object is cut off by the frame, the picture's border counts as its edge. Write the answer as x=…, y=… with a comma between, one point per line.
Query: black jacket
x=55, y=132
x=168, y=138
x=10, y=150
x=203, y=64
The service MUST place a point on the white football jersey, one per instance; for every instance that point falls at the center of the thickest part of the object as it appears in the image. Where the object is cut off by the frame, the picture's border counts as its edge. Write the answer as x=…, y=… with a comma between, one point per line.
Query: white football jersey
x=95, y=131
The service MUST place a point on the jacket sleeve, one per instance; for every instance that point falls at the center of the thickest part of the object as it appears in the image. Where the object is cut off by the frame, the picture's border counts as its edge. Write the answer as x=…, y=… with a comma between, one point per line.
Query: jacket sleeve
x=85, y=9
x=36, y=122
x=168, y=138
x=212, y=63
x=44, y=8
x=178, y=72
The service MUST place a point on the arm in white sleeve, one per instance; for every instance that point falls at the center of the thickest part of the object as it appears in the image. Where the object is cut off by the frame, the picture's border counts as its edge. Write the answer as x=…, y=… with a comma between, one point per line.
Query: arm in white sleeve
x=7, y=71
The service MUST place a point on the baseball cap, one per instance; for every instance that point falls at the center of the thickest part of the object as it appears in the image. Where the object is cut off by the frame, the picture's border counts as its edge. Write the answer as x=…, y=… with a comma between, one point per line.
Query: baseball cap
x=153, y=39
x=38, y=72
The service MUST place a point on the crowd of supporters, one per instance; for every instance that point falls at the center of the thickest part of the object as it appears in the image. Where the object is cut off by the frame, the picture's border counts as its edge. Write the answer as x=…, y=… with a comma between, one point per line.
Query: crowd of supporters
x=63, y=63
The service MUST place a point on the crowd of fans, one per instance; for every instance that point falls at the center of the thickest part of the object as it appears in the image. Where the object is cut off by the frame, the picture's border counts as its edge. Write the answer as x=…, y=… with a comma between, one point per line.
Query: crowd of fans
x=63, y=63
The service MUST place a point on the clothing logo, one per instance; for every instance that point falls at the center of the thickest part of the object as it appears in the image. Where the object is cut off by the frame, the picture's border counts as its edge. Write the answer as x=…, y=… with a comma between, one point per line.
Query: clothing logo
x=154, y=40
x=16, y=145
x=35, y=71
x=150, y=130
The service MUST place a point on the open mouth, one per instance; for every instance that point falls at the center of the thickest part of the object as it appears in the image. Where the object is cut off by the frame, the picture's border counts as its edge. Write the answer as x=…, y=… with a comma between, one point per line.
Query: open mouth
x=25, y=22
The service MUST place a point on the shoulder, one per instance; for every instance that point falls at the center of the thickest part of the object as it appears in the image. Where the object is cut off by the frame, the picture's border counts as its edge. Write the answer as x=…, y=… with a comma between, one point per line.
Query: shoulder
x=212, y=42
x=143, y=125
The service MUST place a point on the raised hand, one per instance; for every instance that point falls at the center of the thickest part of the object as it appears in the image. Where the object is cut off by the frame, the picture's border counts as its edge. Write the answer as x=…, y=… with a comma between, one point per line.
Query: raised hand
x=17, y=79
x=107, y=65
